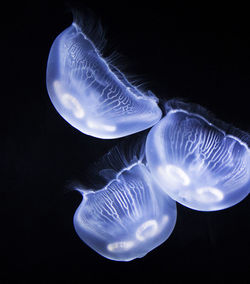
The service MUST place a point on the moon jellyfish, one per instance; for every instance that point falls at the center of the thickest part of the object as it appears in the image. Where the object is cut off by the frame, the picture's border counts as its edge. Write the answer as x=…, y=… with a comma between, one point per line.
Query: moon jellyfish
x=89, y=92
x=129, y=216
x=199, y=161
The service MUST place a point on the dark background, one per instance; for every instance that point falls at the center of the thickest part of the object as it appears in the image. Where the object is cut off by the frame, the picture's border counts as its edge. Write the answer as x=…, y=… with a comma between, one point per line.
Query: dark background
x=200, y=53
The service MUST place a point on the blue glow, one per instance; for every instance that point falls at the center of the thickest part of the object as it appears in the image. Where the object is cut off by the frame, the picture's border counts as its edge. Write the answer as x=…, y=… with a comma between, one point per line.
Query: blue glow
x=92, y=95
x=128, y=217
x=197, y=163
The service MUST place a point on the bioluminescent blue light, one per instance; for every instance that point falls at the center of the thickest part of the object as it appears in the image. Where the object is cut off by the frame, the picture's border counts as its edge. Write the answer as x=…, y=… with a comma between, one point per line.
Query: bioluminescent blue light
x=198, y=162
x=92, y=95
x=128, y=217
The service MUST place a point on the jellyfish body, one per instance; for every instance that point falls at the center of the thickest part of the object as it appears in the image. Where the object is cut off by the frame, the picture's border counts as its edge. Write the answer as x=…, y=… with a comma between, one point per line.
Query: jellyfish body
x=196, y=163
x=92, y=95
x=127, y=218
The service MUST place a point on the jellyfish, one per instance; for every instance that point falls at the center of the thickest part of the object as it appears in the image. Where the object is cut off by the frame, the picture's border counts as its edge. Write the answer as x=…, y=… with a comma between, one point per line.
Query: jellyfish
x=89, y=92
x=199, y=161
x=129, y=216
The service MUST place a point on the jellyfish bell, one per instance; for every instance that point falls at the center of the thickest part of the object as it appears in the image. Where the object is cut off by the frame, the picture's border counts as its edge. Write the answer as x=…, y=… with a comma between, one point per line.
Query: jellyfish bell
x=199, y=161
x=92, y=94
x=129, y=216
